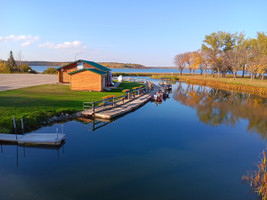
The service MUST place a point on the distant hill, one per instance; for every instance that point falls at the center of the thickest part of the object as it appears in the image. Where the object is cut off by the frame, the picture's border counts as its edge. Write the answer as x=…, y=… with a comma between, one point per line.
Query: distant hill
x=106, y=64
x=122, y=65
x=44, y=63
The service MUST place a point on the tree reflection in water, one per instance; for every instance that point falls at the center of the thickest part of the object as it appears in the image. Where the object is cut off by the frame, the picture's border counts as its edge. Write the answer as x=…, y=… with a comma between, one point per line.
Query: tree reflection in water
x=215, y=106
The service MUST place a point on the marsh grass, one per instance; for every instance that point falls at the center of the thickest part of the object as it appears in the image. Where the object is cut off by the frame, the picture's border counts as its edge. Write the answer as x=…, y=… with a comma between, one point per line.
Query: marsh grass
x=258, y=178
x=258, y=87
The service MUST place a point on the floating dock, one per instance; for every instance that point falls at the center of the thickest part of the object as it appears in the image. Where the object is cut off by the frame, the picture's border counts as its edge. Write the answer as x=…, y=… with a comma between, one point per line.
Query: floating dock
x=34, y=138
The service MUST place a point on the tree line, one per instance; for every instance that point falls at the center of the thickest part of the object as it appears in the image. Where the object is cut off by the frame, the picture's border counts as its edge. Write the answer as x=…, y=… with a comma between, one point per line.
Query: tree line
x=11, y=66
x=223, y=52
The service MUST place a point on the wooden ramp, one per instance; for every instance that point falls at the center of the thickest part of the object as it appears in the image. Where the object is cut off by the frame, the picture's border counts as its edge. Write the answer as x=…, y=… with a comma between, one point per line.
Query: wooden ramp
x=120, y=109
x=34, y=138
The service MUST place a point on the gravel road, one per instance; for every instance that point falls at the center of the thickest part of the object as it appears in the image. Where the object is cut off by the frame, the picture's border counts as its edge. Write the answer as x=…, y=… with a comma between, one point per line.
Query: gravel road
x=14, y=81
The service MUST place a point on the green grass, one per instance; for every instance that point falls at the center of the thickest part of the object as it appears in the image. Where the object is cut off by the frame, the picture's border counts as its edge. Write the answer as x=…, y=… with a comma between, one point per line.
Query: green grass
x=38, y=103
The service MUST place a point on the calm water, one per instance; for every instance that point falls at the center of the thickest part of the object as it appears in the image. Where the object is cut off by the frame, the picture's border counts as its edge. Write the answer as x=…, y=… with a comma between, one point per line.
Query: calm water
x=196, y=145
x=124, y=70
x=154, y=70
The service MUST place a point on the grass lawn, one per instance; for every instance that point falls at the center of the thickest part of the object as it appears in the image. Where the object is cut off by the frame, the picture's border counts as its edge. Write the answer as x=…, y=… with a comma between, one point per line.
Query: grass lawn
x=38, y=103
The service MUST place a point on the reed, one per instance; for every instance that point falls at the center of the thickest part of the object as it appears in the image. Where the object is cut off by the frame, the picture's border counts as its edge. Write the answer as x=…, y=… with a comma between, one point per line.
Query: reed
x=258, y=178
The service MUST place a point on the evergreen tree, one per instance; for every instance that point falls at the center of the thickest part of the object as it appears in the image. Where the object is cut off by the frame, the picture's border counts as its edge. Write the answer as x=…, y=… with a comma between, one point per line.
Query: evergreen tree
x=11, y=62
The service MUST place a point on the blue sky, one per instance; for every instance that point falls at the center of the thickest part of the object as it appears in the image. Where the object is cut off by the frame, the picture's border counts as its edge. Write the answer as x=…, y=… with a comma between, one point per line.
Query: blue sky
x=148, y=32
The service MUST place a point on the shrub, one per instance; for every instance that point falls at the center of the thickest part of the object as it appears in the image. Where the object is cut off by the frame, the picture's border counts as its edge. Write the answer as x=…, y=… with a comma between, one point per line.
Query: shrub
x=4, y=68
x=50, y=70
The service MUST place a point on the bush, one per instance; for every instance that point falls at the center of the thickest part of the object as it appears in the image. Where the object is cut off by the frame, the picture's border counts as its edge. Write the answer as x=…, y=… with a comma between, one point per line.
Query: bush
x=25, y=68
x=4, y=68
x=50, y=70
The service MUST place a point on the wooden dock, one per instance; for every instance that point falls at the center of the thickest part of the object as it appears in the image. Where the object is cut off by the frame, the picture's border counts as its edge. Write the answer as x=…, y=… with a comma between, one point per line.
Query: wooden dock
x=34, y=138
x=120, y=109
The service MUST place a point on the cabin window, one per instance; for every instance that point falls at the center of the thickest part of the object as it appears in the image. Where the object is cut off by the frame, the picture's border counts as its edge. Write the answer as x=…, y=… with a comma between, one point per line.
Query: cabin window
x=80, y=65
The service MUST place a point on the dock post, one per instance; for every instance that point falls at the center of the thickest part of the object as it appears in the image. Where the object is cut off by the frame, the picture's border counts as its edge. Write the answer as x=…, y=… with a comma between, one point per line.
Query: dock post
x=93, y=108
x=22, y=125
x=57, y=133
x=15, y=128
x=128, y=95
x=93, y=125
x=113, y=102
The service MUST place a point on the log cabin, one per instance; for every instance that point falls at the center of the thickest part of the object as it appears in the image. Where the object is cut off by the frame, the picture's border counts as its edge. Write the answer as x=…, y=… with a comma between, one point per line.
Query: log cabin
x=84, y=75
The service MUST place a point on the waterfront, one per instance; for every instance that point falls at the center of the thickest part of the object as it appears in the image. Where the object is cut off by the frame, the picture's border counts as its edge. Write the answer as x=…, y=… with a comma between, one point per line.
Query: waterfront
x=164, y=151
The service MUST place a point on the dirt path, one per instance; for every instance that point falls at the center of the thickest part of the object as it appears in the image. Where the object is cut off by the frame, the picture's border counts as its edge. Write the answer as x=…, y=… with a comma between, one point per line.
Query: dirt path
x=14, y=81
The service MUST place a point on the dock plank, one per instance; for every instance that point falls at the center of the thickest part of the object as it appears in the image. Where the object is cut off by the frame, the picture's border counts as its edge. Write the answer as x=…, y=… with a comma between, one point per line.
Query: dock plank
x=120, y=109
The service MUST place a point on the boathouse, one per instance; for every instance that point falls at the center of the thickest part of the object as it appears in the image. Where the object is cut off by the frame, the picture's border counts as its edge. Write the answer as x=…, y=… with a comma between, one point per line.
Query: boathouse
x=85, y=75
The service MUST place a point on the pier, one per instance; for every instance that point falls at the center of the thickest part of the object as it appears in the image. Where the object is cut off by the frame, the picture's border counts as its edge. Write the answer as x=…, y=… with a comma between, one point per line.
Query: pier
x=116, y=106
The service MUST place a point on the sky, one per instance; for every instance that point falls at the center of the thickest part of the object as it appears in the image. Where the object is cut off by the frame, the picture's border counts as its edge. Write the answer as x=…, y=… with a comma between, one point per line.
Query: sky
x=147, y=32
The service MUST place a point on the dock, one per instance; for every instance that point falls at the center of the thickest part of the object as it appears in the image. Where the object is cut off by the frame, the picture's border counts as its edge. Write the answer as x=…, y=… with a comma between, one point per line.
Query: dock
x=111, y=112
x=34, y=138
x=117, y=106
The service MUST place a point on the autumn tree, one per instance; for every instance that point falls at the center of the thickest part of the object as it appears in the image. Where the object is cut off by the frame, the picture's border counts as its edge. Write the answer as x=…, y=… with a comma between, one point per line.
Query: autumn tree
x=196, y=61
x=257, y=51
x=188, y=61
x=179, y=61
x=214, y=45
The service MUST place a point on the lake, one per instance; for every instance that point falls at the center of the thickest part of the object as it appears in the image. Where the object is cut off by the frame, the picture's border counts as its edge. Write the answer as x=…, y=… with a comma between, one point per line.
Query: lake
x=195, y=145
x=125, y=70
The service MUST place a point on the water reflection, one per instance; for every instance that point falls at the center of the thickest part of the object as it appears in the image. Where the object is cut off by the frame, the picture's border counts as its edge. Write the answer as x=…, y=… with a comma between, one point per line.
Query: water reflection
x=93, y=124
x=21, y=150
x=215, y=106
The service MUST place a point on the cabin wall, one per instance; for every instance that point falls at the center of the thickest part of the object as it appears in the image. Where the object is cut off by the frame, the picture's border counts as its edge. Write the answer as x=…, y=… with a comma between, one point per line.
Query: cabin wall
x=63, y=75
x=87, y=81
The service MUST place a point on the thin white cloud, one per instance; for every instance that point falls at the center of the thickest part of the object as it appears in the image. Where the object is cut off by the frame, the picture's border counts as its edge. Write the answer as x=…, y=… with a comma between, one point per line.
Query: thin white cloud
x=25, y=39
x=65, y=45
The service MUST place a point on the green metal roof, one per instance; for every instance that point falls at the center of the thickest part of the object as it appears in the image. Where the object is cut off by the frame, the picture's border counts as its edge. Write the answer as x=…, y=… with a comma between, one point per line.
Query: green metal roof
x=89, y=69
x=93, y=64
x=96, y=65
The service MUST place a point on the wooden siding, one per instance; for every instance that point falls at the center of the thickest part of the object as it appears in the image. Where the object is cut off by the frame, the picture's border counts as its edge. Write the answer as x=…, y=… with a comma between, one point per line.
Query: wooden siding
x=87, y=81
x=64, y=77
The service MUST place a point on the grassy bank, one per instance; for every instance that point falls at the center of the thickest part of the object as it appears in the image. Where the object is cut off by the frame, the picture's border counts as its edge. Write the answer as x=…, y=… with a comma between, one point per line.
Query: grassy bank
x=38, y=103
x=258, y=87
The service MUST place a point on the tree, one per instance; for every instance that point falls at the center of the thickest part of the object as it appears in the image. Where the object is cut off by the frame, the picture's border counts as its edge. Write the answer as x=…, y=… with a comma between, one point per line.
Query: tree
x=262, y=67
x=3, y=67
x=257, y=50
x=11, y=62
x=214, y=45
x=204, y=62
x=195, y=61
x=180, y=62
x=188, y=60
x=19, y=59
x=235, y=59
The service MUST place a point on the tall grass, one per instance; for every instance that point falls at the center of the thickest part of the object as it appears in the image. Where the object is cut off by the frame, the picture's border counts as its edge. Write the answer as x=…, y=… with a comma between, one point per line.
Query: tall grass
x=258, y=178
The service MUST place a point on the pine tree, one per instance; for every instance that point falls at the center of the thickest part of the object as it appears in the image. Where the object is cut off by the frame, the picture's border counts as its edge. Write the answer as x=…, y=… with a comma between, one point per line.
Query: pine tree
x=11, y=62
